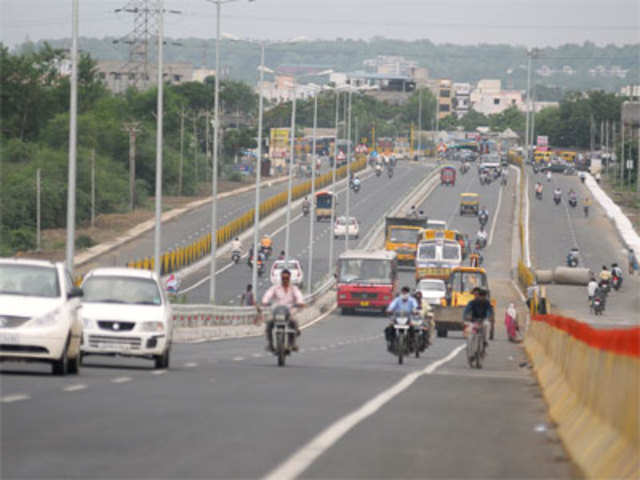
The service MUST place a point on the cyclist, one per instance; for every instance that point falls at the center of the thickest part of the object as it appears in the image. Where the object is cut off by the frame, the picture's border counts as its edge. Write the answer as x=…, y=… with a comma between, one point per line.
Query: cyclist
x=480, y=310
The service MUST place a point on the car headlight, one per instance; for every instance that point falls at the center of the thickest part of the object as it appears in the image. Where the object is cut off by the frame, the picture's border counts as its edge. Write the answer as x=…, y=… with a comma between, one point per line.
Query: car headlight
x=88, y=322
x=152, y=326
x=45, y=320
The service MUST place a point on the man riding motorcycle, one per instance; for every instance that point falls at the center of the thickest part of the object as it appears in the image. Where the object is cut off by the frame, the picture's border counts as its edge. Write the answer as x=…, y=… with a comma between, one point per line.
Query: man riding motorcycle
x=573, y=200
x=616, y=276
x=586, y=203
x=265, y=244
x=289, y=296
x=306, y=206
x=481, y=239
x=605, y=278
x=404, y=303
x=483, y=216
x=480, y=310
x=539, y=189
x=557, y=195
x=572, y=257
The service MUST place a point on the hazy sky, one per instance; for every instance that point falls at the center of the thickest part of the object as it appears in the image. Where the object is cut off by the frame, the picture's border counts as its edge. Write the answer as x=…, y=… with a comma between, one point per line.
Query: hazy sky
x=523, y=22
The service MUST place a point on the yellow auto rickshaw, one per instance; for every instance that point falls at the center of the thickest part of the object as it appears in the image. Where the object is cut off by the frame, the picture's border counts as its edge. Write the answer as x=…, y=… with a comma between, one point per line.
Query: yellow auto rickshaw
x=325, y=203
x=469, y=203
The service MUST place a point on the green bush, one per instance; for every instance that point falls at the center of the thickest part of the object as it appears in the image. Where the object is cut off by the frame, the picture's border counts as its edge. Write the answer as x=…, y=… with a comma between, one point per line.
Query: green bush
x=84, y=241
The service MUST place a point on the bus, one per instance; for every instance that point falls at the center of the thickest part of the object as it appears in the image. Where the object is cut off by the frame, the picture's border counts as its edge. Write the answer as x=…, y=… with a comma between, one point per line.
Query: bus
x=436, y=258
x=366, y=280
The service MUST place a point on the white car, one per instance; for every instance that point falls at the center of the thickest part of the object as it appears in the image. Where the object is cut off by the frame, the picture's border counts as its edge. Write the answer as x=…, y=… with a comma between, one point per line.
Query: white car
x=432, y=289
x=297, y=277
x=39, y=318
x=126, y=312
x=342, y=228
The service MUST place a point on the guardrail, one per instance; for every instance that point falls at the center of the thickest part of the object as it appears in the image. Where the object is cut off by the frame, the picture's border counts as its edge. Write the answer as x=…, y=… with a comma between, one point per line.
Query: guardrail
x=589, y=378
x=181, y=257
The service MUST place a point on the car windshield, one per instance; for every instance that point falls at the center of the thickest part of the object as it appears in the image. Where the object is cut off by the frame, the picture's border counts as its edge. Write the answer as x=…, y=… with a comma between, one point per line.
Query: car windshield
x=431, y=285
x=323, y=201
x=404, y=235
x=358, y=270
x=451, y=252
x=427, y=252
x=128, y=290
x=29, y=281
x=467, y=281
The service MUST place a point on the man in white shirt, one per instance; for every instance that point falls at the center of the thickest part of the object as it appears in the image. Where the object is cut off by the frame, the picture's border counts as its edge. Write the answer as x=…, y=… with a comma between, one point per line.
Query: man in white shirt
x=592, y=286
x=287, y=295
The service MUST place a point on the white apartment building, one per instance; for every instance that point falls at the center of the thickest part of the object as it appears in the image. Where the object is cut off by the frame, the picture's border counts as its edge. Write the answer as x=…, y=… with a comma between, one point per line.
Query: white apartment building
x=488, y=97
x=462, y=92
x=280, y=90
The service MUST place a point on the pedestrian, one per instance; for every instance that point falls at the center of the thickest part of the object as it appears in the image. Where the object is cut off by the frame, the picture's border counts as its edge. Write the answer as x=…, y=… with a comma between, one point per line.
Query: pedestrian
x=511, y=323
x=633, y=262
x=248, y=299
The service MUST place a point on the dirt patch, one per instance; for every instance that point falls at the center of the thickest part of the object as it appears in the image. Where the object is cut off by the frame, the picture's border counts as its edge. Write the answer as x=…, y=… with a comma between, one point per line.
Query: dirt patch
x=112, y=225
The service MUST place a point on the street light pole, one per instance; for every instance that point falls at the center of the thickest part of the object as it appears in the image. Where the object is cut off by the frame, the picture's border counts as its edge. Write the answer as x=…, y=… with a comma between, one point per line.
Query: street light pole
x=158, y=229
x=333, y=184
x=71, y=187
x=528, y=111
x=291, y=162
x=313, y=190
x=420, y=124
x=256, y=217
x=346, y=237
x=214, y=180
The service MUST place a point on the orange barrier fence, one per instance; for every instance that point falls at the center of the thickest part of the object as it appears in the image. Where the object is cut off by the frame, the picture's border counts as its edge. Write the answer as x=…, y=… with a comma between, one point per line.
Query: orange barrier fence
x=591, y=382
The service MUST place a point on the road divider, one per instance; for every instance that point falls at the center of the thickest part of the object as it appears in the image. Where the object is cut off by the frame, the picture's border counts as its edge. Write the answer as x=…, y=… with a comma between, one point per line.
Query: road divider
x=176, y=259
x=589, y=378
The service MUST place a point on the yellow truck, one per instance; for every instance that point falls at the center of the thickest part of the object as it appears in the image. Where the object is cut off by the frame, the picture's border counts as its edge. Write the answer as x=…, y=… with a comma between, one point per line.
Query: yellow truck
x=402, y=235
x=461, y=281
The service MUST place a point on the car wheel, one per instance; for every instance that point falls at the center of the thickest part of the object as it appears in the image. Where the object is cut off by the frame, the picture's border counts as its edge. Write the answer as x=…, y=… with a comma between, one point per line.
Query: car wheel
x=162, y=361
x=74, y=365
x=61, y=366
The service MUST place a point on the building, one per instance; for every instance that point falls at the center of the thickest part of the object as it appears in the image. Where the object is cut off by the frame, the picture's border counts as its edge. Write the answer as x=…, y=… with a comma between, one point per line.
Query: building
x=462, y=101
x=488, y=97
x=444, y=92
x=118, y=76
x=390, y=65
x=632, y=91
x=281, y=90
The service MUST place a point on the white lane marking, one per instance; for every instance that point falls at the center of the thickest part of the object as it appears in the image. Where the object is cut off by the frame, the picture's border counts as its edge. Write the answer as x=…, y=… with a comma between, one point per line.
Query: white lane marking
x=190, y=365
x=158, y=372
x=495, y=217
x=75, y=388
x=14, y=398
x=121, y=380
x=238, y=359
x=305, y=456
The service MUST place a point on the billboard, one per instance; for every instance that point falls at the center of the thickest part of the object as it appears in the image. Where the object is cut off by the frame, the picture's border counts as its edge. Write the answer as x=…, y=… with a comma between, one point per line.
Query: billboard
x=542, y=141
x=279, y=142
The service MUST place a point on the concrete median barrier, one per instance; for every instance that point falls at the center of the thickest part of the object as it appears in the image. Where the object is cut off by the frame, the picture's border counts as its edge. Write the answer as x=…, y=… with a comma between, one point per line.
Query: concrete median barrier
x=544, y=276
x=591, y=382
x=571, y=276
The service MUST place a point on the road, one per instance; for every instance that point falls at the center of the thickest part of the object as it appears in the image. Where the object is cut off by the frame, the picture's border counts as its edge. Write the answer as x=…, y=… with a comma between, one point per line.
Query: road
x=342, y=408
x=558, y=229
x=188, y=227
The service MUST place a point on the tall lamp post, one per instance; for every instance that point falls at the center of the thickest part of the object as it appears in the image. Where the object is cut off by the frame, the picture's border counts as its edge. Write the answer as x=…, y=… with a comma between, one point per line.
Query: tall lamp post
x=347, y=206
x=313, y=191
x=159, y=115
x=216, y=131
x=333, y=181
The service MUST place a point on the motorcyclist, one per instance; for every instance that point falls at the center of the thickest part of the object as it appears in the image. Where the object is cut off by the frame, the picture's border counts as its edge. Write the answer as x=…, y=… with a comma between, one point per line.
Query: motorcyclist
x=426, y=313
x=548, y=175
x=480, y=310
x=404, y=303
x=265, y=242
x=481, y=237
x=604, y=277
x=475, y=258
x=483, y=216
x=236, y=245
x=356, y=181
x=572, y=197
x=573, y=253
x=616, y=272
x=592, y=286
x=557, y=193
x=539, y=188
x=306, y=204
x=287, y=295
x=378, y=168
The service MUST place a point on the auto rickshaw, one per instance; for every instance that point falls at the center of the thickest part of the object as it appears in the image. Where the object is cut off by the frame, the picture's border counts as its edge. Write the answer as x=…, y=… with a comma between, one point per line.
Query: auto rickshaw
x=448, y=176
x=469, y=203
x=324, y=205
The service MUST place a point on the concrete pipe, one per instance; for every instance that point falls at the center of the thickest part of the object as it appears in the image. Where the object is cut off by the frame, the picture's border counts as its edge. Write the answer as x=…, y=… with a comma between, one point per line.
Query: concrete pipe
x=544, y=276
x=571, y=276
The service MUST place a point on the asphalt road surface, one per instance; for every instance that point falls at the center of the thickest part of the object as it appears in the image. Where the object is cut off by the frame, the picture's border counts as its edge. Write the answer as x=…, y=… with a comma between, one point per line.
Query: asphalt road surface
x=342, y=408
x=558, y=228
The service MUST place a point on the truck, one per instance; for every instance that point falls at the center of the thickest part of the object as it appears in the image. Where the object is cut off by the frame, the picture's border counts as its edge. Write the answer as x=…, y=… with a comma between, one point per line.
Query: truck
x=402, y=235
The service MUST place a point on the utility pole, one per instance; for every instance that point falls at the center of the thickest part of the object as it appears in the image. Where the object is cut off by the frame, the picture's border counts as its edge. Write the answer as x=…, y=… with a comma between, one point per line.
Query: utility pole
x=622, y=163
x=528, y=110
x=38, y=212
x=291, y=163
x=181, y=166
x=601, y=136
x=207, y=151
x=194, y=118
x=159, y=140
x=333, y=181
x=132, y=128
x=73, y=107
x=349, y=152
x=93, y=187
x=313, y=191
x=637, y=164
x=420, y=124
x=591, y=135
x=256, y=208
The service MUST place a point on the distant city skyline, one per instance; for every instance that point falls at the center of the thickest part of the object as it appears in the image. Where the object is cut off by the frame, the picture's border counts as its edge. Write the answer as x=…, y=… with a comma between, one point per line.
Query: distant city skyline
x=518, y=22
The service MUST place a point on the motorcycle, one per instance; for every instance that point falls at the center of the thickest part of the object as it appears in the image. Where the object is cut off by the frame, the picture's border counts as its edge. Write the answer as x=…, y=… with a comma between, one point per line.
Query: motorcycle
x=282, y=334
x=556, y=199
x=305, y=210
x=235, y=256
x=356, y=187
x=503, y=182
x=572, y=261
x=378, y=172
x=400, y=344
x=538, y=195
x=597, y=305
x=616, y=282
x=605, y=286
x=483, y=219
x=266, y=251
x=586, y=210
x=260, y=268
x=390, y=172
x=475, y=343
x=573, y=202
x=480, y=243
x=418, y=335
